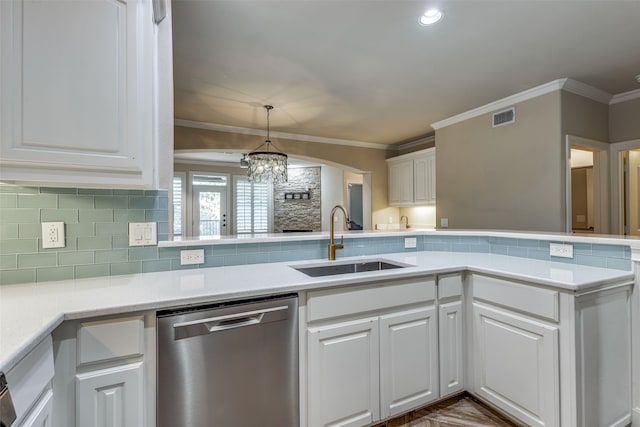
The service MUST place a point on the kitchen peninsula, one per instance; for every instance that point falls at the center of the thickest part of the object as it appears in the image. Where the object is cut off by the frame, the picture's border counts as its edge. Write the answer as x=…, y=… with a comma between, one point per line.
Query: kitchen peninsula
x=526, y=334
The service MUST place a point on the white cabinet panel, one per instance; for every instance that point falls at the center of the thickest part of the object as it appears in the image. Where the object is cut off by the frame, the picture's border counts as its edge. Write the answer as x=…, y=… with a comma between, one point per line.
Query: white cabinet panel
x=31, y=377
x=111, y=397
x=450, y=326
x=41, y=415
x=401, y=183
x=78, y=92
x=516, y=365
x=343, y=381
x=325, y=304
x=603, y=332
x=110, y=339
x=424, y=176
x=408, y=360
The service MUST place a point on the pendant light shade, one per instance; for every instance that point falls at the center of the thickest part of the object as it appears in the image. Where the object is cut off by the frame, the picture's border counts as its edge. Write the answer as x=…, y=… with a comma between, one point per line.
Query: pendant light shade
x=264, y=164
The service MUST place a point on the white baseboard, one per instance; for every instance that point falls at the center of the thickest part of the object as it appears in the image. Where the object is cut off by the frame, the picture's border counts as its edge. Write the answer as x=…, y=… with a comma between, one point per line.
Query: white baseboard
x=635, y=416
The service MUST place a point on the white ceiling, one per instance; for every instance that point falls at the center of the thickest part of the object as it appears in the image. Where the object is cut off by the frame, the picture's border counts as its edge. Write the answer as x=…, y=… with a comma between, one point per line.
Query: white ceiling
x=366, y=71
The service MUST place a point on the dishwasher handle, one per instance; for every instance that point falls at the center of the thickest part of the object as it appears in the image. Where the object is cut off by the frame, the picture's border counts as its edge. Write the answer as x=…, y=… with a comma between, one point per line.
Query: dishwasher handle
x=229, y=321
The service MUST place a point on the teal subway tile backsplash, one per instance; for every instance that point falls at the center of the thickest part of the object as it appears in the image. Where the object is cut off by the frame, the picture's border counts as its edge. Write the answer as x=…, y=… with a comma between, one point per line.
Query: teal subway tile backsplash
x=54, y=273
x=97, y=243
x=96, y=232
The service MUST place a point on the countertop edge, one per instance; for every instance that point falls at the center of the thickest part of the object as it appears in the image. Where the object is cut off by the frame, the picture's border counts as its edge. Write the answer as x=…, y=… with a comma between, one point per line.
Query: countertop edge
x=321, y=283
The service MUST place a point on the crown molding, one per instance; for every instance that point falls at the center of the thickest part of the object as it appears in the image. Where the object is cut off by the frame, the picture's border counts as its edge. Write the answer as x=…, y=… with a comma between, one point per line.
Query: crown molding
x=502, y=103
x=417, y=142
x=582, y=89
x=625, y=96
x=569, y=85
x=282, y=135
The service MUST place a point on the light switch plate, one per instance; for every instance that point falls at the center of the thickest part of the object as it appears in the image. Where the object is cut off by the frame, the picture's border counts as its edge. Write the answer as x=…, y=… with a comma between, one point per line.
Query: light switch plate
x=561, y=250
x=143, y=233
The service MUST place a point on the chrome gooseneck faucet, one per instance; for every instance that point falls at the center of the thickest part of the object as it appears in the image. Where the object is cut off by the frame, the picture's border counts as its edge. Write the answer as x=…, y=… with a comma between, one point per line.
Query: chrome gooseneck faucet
x=332, y=245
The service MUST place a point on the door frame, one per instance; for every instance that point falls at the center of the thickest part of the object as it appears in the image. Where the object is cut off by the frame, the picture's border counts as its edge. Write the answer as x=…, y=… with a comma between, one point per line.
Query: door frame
x=617, y=184
x=189, y=200
x=601, y=182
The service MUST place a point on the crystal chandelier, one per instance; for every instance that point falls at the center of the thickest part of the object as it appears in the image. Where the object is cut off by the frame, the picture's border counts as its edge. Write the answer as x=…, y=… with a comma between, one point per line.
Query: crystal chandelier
x=266, y=165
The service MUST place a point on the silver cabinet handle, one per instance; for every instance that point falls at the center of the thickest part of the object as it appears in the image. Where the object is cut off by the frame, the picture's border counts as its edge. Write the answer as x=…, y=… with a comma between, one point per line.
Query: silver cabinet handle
x=222, y=323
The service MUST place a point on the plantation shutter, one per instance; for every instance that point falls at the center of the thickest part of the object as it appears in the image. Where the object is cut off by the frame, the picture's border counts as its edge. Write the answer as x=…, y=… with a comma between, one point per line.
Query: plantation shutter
x=252, y=206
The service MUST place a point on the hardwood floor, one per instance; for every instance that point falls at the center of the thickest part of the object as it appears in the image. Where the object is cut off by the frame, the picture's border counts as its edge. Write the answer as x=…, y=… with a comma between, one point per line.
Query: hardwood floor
x=462, y=410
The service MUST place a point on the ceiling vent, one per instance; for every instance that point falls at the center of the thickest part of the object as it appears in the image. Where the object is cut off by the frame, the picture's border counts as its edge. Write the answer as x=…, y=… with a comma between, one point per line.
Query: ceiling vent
x=504, y=117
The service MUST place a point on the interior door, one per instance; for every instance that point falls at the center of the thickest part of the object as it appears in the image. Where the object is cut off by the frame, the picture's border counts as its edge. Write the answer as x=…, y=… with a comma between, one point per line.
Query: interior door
x=634, y=193
x=209, y=211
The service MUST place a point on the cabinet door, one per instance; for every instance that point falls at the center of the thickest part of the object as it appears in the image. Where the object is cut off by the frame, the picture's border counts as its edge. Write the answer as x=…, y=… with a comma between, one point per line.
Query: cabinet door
x=424, y=172
x=516, y=364
x=77, y=91
x=343, y=381
x=111, y=397
x=408, y=360
x=41, y=414
x=451, y=338
x=401, y=183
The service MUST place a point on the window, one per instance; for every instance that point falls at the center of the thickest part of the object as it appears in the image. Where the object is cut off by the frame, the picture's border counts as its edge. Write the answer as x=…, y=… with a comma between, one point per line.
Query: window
x=252, y=206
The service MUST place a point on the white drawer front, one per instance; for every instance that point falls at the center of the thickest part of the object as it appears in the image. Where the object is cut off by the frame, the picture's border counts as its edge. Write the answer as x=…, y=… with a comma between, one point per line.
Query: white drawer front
x=110, y=339
x=358, y=299
x=529, y=299
x=450, y=286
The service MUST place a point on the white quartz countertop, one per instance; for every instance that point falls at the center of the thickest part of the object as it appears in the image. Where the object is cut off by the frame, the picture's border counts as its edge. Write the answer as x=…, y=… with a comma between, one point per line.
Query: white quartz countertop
x=29, y=312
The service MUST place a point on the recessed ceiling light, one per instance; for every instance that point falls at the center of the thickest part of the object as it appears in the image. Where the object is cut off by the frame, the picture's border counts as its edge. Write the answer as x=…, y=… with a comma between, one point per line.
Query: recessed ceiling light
x=638, y=78
x=430, y=17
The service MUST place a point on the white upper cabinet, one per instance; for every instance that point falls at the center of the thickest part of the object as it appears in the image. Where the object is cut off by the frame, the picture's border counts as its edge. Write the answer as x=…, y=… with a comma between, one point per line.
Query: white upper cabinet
x=412, y=178
x=400, y=182
x=79, y=92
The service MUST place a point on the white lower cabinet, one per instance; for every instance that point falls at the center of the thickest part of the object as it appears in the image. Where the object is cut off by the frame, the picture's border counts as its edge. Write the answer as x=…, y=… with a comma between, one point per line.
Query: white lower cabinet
x=344, y=374
x=516, y=364
x=111, y=397
x=408, y=360
x=105, y=372
x=371, y=352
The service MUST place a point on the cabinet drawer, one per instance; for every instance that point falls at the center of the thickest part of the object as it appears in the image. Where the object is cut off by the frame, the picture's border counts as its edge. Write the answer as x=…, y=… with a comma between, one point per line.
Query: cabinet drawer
x=528, y=299
x=358, y=299
x=450, y=286
x=110, y=339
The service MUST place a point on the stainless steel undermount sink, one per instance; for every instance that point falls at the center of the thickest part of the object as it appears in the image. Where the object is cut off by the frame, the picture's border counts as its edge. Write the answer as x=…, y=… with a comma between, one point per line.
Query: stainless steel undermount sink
x=347, y=267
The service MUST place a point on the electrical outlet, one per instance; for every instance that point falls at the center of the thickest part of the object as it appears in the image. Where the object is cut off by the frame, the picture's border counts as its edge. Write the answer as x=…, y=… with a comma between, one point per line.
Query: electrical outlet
x=192, y=256
x=561, y=250
x=53, y=235
x=444, y=222
x=410, y=242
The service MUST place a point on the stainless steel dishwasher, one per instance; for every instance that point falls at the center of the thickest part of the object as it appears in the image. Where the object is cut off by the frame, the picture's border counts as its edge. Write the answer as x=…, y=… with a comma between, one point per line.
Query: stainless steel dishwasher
x=229, y=365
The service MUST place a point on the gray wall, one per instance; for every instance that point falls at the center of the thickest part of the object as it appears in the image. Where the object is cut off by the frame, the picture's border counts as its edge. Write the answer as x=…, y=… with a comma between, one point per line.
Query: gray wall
x=584, y=117
x=509, y=177
x=624, y=121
